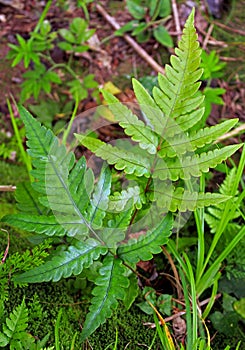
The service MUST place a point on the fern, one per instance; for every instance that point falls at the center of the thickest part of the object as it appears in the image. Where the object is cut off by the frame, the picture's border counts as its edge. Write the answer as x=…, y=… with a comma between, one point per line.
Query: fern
x=214, y=213
x=110, y=286
x=235, y=261
x=95, y=219
x=14, y=329
x=167, y=136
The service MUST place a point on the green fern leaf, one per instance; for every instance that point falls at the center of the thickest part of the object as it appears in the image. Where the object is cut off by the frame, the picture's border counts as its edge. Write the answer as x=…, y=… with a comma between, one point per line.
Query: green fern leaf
x=52, y=164
x=183, y=143
x=133, y=127
x=15, y=327
x=27, y=199
x=177, y=97
x=215, y=212
x=153, y=115
x=123, y=160
x=81, y=184
x=65, y=263
x=185, y=167
x=119, y=199
x=148, y=244
x=169, y=198
x=110, y=286
x=100, y=199
x=115, y=232
x=41, y=224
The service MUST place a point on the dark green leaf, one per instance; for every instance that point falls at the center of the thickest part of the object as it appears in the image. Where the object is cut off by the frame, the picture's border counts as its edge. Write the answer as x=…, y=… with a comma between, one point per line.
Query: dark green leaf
x=162, y=36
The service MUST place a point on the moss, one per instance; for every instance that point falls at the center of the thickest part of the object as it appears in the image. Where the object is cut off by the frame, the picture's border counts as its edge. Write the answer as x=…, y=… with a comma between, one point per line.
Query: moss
x=44, y=302
x=131, y=331
x=11, y=174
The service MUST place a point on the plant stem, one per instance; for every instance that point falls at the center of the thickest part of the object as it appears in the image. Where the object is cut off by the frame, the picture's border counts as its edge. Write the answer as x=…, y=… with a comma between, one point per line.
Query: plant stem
x=24, y=155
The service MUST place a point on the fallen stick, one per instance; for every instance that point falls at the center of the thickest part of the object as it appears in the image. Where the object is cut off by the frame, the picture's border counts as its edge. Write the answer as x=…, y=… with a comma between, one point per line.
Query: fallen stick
x=141, y=52
x=7, y=188
x=232, y=133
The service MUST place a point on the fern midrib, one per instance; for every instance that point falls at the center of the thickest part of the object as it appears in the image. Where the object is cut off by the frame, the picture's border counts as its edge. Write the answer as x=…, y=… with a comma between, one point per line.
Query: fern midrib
x=197, y=158
x=126, y=160
x=176, y=95
x=98, y=311
x=144, y=135
x=61, y=265
x=49, y=158
x=98, y=202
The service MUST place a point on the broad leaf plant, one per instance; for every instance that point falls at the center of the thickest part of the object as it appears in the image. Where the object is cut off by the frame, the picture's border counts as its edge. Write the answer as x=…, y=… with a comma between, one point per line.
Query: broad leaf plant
x=96, y=220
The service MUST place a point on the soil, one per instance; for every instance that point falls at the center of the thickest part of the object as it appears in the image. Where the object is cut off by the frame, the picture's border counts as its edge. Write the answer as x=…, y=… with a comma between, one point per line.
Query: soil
x=112, y=59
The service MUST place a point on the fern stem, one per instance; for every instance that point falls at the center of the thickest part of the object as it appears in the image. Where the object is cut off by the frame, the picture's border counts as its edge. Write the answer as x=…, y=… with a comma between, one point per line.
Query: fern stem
x=24, y=155
x=67, y=131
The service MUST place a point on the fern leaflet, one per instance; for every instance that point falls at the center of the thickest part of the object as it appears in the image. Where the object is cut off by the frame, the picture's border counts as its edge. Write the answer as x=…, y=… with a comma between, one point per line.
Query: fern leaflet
x=65, y=263
x=110, y=286
x=148, y=244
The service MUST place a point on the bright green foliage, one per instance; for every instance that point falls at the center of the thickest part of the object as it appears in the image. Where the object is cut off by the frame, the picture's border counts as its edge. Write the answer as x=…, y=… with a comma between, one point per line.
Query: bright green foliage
x=75, y=36
x=146, y=245
x=212, y=66
x=214, y=212
x=110, y=286
x=14, y=330
x=36, y=53
x=65, y=263
x=96, y=216
x=65, y=202
x=143, y=27
x=175, y=148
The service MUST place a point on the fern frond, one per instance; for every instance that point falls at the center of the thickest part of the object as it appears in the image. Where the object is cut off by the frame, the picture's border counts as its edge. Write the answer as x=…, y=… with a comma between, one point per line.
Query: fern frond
x=123, y=160
x=215, y=212
x=152, y=113
x=178, y=87
x=171, y=199
x=52, y=165
x=133, y=127
x=180, y=144
x=96, y=210
x=110, y=286
x=14, y=330
x=41, y=224
x=27, y=200
x=65, y=263
x=148, y=244
x=185, y=167
x=115, y=232
x=119, y=199
x=81, y=184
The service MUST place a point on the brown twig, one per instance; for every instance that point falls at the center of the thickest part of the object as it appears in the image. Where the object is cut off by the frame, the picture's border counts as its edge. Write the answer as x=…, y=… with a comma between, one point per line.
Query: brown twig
x=7, y=248
x=232, y=133
x=141, y=52
x=7, y=188
x=237, y=31
x=175, y=272
x=181, y=313
x=207, y=37
x=176, y=18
